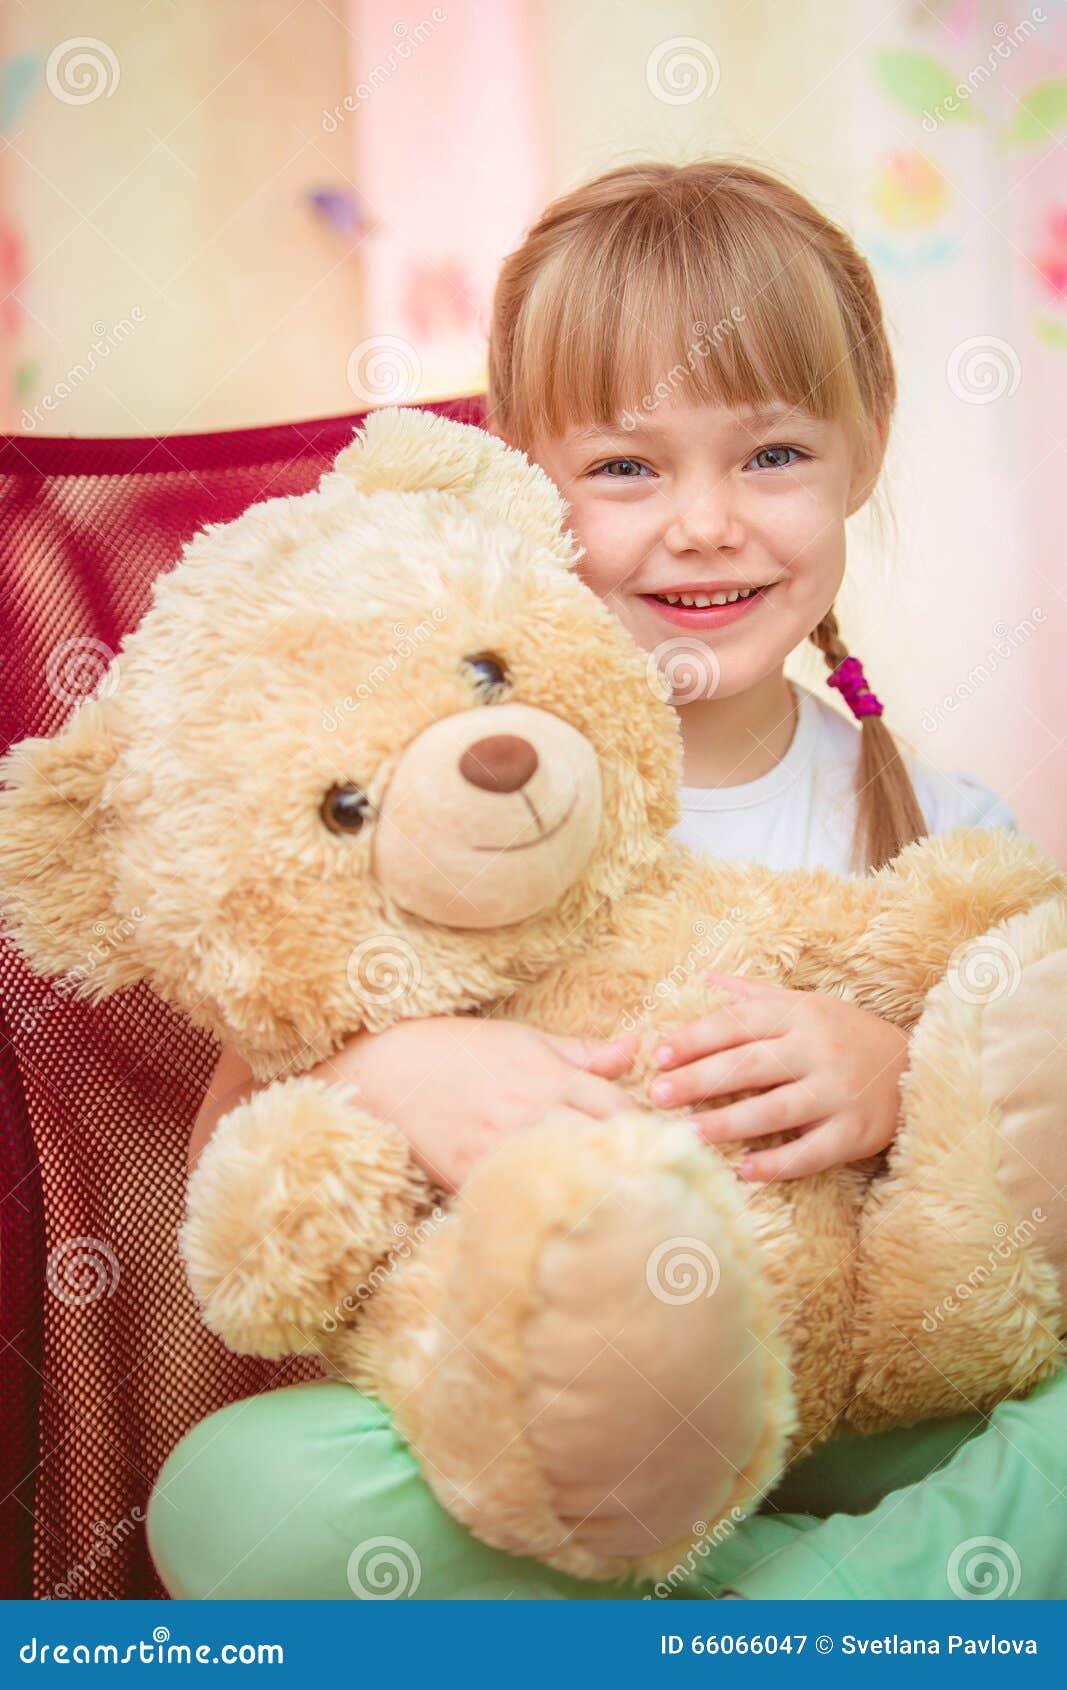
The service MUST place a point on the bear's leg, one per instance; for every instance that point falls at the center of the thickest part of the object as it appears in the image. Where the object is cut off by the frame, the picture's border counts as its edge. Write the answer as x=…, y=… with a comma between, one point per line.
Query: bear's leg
x=963, y=1267
x=601, y=1381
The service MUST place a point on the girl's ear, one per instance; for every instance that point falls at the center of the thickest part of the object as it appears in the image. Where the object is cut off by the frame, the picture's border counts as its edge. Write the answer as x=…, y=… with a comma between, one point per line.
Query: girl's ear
x=413, y=451
x=866, y=469
x=56, y=853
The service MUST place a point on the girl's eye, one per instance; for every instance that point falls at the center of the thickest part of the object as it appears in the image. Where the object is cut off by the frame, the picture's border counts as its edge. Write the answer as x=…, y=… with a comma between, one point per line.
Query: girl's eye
x=626, y=465
x=345, y=809
x=489, y=673
x=777, y=453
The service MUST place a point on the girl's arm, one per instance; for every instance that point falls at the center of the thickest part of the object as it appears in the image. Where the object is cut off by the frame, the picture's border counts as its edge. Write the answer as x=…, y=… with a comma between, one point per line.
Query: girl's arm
x=453, y=1085
x=229, y=1085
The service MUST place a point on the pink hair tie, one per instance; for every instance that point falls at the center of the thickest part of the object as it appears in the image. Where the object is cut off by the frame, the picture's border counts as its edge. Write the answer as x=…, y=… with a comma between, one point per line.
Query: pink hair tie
x=851, y=683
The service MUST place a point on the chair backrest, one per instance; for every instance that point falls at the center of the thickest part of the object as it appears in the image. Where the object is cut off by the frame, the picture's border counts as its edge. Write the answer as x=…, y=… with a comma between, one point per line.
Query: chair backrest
x=104, y=1363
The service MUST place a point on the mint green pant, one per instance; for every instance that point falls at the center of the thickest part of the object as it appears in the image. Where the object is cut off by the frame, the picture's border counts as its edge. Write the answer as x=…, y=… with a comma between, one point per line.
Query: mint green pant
x=309, y=1492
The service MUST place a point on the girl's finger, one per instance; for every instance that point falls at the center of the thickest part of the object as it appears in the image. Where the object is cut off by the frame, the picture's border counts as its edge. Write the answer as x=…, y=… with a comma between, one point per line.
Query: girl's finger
x=747, y=1067
x=737, y=1024
x=609, y=1058
x=779, y=1110
x=596, y=1097
x=823, y=1147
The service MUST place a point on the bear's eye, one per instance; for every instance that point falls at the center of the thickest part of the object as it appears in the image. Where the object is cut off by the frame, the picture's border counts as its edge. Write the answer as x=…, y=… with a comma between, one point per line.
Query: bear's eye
x=345, y=808
x=489, y=674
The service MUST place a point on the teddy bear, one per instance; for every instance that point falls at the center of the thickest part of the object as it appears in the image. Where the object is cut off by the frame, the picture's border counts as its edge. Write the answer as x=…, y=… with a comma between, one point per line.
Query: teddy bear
x=376, y=752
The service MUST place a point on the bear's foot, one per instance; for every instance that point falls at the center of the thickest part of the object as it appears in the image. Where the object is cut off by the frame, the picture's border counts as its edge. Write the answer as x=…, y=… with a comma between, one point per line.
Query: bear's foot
x=605, y=1384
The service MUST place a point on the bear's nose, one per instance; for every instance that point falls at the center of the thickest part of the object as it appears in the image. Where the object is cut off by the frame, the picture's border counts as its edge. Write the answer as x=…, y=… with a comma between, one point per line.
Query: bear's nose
x=501, y=763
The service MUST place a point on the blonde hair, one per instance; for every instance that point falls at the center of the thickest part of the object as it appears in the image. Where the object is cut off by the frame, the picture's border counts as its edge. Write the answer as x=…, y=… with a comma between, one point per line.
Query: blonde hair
x=739, y=285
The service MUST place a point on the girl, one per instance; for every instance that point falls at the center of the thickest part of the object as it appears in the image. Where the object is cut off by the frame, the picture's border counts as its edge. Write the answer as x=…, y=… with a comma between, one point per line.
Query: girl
x=698, y=359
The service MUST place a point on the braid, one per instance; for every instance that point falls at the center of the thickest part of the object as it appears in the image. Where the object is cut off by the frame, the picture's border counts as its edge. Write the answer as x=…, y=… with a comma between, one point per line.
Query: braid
x=888, y=816
x=827, y=638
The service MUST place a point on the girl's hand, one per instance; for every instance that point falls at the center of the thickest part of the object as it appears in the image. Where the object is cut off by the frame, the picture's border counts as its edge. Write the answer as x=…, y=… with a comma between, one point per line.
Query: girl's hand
x=818, y=1064
x=456, y=1085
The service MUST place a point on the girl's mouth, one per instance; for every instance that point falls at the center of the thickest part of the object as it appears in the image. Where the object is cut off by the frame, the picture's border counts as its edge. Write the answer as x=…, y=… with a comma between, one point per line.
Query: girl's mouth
x=704, y=610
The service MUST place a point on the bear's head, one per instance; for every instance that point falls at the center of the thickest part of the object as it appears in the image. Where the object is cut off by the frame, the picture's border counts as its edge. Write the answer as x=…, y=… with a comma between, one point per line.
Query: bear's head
x=373, y=752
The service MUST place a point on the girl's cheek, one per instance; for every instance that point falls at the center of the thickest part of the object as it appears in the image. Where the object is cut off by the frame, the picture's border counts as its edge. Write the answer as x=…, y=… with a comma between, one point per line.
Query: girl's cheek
x=813, y=539
x=816, y=580
x=610, y=551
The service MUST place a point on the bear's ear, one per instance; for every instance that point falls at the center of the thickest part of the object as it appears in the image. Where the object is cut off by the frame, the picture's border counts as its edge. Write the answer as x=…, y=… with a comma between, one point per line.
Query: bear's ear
x=411, y=451
x=55, y=854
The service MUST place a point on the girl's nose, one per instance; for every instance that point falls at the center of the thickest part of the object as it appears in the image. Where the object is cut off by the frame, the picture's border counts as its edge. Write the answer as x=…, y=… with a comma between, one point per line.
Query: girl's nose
x=705, y=522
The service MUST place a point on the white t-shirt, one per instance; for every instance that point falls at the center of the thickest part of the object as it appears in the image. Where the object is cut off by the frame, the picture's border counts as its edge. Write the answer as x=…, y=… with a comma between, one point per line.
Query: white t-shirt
x=801, y=813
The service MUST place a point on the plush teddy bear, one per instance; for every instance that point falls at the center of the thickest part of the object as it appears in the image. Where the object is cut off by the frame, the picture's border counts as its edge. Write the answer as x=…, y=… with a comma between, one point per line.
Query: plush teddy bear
x=375, y=752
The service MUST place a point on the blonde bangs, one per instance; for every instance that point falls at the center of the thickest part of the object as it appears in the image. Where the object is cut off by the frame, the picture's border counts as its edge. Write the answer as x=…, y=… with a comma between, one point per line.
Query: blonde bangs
x=687, y=286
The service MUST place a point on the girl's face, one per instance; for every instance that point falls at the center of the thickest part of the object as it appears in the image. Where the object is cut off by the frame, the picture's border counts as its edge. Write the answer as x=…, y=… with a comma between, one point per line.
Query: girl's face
x=701, y=503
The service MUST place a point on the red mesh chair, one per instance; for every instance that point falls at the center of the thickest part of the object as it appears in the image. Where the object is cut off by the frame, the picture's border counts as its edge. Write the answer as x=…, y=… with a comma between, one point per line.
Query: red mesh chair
x=104, y=1363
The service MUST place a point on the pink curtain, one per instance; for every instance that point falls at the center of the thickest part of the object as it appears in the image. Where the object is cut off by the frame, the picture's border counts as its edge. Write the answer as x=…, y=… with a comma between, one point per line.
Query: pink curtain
x=447, y=152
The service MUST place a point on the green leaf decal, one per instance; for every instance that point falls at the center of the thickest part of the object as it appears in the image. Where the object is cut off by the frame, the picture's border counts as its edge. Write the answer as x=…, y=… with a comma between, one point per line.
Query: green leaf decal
x=1051, y=332
x=1041, y=111
x=923, y=85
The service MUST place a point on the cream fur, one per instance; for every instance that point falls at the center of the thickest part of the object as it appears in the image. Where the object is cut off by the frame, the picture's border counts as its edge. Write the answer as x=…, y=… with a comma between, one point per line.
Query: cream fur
x=564, y=1399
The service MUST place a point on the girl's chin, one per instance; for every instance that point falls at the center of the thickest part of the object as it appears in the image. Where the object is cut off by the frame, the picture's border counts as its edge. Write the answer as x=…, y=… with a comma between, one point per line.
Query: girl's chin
x=696, y=672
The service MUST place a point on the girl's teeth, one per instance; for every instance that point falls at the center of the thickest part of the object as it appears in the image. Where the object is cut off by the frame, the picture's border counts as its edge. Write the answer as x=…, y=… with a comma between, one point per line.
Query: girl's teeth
x=701, y=601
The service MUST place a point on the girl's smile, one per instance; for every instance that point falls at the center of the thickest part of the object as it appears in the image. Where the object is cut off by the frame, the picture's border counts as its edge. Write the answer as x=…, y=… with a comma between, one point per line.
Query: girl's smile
x=708, y=604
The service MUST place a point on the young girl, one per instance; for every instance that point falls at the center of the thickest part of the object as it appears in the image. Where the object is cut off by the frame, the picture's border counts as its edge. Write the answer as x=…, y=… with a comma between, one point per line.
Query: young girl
x=698, y=360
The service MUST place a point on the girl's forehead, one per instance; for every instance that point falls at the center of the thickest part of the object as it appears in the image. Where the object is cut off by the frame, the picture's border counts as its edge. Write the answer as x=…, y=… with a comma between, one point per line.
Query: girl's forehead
x=679, y=418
